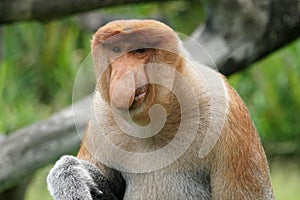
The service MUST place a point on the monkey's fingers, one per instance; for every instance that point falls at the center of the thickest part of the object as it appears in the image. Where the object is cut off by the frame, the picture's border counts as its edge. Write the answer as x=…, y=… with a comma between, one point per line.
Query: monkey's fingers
x=99, y=195
x=96, y=193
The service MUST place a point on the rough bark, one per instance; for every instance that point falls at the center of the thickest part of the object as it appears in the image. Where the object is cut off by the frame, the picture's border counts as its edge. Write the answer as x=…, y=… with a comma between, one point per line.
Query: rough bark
x=239, y=32
x=32, y=147
x=19, y=10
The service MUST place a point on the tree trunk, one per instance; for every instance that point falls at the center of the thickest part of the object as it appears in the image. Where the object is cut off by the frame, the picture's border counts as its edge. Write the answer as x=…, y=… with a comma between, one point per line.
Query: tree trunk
x=34, y=146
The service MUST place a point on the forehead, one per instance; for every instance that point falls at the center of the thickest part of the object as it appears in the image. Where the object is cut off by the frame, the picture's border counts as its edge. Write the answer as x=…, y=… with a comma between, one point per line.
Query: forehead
x=148, y=33
x=129, y=25
x=133, y=39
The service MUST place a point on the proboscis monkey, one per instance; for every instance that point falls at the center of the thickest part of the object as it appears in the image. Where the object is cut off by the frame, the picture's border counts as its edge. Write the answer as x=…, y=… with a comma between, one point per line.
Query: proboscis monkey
x=162, y=126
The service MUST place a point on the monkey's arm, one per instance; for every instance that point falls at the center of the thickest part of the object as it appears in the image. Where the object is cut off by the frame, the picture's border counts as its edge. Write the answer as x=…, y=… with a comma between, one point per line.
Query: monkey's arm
x=240, y=169
x=72, y=178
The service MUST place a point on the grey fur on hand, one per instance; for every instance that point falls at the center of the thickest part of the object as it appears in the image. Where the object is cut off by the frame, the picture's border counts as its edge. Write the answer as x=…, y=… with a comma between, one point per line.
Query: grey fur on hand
x=72, y=179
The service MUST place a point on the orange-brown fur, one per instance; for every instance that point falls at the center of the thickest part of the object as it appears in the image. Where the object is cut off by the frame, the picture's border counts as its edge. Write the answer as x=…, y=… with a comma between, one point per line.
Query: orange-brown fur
x=239, y=157
x=236, y=166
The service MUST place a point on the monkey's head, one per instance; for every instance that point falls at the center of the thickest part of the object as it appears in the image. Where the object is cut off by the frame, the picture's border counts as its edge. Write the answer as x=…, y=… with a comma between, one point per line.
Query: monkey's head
x=124, y=52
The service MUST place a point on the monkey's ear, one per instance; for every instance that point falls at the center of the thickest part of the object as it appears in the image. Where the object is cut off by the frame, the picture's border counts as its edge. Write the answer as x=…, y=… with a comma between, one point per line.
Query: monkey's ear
x=102, y=70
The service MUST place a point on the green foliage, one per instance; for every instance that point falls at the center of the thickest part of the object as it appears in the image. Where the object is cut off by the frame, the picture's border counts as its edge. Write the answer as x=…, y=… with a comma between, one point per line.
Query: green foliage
x=270, y=89
x=37, y=188
x=38, y=70
x=286, y=179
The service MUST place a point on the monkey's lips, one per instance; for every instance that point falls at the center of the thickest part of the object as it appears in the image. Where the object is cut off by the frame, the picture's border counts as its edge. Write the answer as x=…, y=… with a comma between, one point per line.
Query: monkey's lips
x=123, y=101
x=140, y=95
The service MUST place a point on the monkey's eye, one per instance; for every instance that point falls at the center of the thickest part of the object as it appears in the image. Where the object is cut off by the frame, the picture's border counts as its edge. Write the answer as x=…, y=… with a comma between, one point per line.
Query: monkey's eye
x=140, y=50
x=116, y=49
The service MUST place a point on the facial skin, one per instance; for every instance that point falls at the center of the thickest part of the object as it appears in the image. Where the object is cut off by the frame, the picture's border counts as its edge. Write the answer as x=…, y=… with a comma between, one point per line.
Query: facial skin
x=128, y=78
x=127, y=54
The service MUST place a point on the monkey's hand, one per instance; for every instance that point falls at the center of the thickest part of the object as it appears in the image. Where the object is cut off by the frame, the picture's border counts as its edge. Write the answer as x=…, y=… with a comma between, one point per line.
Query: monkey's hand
x=71, y=179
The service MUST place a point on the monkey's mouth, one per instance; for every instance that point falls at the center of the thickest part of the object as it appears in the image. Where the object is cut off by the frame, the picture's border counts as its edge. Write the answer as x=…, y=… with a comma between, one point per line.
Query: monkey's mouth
x=140, y=95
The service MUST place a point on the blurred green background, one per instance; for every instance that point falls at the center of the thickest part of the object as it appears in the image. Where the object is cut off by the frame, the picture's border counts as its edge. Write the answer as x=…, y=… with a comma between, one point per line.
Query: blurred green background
x=39, y=62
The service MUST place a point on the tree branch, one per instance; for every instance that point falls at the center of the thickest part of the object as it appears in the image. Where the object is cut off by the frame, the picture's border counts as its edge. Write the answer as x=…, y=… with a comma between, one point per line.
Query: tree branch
x=32, y=147
x=238, y=33
x=43, y=10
